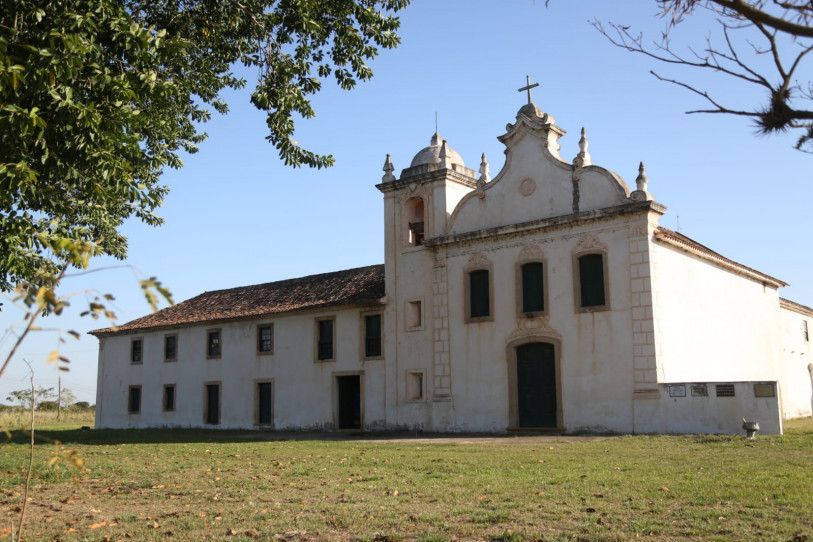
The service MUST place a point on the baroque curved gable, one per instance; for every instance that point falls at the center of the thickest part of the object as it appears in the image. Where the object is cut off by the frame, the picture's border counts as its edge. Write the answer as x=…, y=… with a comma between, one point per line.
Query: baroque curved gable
x=535, y=182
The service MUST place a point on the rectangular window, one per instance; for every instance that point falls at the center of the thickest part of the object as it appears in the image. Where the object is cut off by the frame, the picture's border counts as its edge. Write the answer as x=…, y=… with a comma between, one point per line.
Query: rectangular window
x=213, y=343
x=212, y=413
x=479, y=295
x=414, y=315
x=264, y=404
x=591, y=280
x=134, y=400
x=136, y=354
x=265, y=339
x=414, y=386
x=170, y=348
x=324, y=339
x=169, y=397
x=807, y=334
x=533, y=288
x=372, y=336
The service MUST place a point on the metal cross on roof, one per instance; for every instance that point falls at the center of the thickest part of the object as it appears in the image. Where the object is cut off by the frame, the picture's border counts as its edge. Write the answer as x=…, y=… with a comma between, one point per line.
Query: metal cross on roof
x=528, y=86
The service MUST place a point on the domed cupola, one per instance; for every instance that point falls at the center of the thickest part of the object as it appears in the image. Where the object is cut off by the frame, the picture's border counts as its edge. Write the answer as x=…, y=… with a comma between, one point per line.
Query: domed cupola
x=431, y=154
x=438, y=155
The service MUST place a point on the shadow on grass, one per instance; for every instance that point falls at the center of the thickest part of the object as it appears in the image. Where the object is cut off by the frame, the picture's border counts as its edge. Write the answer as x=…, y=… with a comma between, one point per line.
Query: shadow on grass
x=146, y=436
x=156, y=436
x=799, y=429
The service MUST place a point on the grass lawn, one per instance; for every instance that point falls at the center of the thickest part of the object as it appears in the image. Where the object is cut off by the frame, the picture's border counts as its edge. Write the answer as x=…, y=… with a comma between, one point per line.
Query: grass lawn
x=210, y=485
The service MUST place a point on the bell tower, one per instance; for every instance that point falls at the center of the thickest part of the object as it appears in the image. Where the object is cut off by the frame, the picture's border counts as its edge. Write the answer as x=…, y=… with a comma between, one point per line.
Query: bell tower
x=417, y=209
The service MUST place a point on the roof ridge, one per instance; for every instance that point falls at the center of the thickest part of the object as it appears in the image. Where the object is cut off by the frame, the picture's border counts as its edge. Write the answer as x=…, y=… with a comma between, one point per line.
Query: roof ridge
x=281, y=281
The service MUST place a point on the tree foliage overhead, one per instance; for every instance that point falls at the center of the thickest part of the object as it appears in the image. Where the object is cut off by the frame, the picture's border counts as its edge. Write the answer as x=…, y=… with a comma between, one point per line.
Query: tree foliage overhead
x=765, y=43
x=97, y=97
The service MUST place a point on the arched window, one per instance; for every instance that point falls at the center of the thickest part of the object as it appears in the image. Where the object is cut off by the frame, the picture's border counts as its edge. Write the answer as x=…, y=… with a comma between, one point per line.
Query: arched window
x=415, y=218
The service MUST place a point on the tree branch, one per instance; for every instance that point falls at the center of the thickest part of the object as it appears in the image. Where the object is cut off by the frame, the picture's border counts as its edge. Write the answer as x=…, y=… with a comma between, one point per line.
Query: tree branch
x=760, y=16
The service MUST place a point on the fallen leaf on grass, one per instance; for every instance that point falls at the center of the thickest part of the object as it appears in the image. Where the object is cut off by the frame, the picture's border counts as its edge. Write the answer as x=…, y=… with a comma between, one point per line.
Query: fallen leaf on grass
x=97, y=525
x=664, y=488
x=253, y=533
x=231, y=532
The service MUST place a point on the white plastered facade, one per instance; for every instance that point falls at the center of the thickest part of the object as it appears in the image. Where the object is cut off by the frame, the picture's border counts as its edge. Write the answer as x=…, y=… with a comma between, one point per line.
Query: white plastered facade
x=682, y=341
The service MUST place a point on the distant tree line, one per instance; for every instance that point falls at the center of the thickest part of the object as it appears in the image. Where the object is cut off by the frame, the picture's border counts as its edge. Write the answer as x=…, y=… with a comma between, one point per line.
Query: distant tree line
x=45, y=400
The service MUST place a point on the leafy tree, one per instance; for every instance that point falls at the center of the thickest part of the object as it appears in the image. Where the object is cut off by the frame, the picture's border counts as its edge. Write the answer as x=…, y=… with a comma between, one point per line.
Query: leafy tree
x=25, y=397
x=764, y=43
x=81, y=405
x=66, y=398
x=97, y=97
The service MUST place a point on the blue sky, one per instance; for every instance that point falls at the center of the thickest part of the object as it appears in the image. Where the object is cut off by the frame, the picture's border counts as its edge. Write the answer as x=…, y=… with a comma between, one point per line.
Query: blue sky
x=236, y=216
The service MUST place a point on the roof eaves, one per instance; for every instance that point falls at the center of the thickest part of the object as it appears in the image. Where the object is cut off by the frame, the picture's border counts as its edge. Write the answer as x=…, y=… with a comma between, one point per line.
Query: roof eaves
x=693, y=247
x=795, y=307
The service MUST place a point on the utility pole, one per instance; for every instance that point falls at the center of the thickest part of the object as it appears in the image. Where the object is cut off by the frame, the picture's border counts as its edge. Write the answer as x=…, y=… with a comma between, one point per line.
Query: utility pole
x=59, y=398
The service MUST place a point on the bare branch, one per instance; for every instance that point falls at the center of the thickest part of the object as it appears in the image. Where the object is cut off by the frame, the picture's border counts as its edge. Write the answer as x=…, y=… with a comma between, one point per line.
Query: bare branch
x=756, y=15
x=719, y=108
x=785, y=25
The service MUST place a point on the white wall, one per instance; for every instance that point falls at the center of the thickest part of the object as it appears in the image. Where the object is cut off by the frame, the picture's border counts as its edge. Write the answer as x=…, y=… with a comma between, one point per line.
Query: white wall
x=795, y=369
x=712, y=324
x=303, y=390
x=709, y=414
x=595, y=348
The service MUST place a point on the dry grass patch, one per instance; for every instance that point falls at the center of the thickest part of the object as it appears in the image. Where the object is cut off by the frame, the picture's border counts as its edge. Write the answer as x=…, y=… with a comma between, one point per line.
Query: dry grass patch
x=207, y=485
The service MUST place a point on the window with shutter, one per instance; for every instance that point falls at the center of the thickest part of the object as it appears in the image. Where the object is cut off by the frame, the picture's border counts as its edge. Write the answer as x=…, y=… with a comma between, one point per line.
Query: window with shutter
x=324, y=340
x=591, y=280
x=372, y=335
x=533, y=291
x=479, y=301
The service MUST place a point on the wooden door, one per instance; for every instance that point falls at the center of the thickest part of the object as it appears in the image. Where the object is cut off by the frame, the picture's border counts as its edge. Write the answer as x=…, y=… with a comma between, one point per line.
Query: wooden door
x=536, y=385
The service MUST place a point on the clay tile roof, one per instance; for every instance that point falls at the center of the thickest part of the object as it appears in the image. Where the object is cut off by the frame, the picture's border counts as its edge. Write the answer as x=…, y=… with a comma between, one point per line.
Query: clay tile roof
x=360, y=286
x=702, y=251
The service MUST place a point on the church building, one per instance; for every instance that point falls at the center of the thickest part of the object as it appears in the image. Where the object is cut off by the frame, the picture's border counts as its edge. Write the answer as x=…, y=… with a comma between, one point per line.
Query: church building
x=546, y=298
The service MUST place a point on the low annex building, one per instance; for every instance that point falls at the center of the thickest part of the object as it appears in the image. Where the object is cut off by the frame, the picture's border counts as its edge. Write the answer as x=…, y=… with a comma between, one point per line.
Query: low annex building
x=546, y=298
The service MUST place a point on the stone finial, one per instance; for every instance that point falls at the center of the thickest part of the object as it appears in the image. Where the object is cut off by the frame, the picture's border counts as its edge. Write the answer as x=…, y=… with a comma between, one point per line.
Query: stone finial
x=642, y=180
x=388, y=169
x=445, y=160
x=583, y=158
x=484, y=171
x=641, y=193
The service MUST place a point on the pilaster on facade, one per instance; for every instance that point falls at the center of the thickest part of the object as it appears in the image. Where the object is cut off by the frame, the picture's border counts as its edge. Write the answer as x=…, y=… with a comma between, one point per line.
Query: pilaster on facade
x=644, y=346
x=442, y=368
